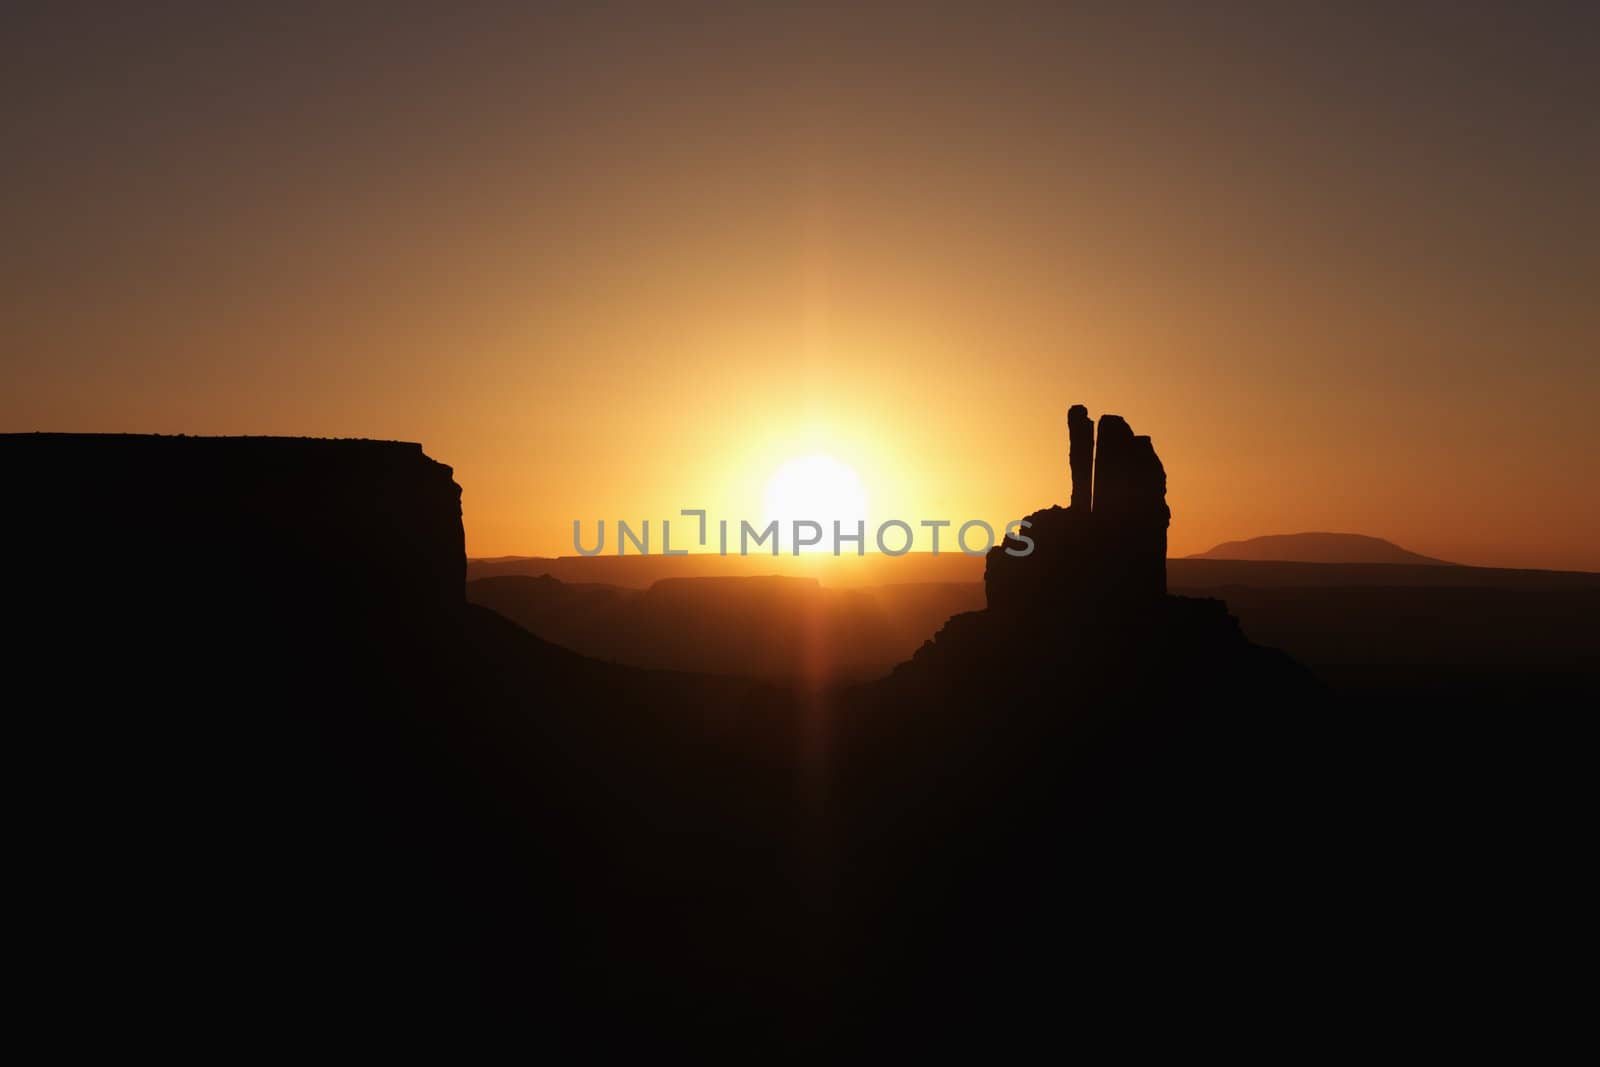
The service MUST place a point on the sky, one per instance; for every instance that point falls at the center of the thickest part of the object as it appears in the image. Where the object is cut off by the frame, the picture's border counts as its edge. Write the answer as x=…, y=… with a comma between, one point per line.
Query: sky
x=1340, y=261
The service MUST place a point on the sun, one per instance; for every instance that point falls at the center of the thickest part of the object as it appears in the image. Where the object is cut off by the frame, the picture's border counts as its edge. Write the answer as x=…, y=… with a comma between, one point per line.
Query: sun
x=819, y=488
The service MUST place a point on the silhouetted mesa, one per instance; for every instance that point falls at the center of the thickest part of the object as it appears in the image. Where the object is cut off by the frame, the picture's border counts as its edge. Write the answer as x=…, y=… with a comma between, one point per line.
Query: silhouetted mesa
x=282, y=517
x=1088, y=561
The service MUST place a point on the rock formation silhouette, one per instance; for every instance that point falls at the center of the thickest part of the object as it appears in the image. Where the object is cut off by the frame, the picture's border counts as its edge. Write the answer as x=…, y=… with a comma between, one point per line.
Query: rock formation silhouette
x=1056, y=766
x=1104, y=555
x=1080, y=457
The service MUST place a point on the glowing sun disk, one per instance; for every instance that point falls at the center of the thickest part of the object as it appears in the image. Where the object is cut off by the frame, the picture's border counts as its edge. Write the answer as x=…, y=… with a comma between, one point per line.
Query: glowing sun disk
x=817, y=488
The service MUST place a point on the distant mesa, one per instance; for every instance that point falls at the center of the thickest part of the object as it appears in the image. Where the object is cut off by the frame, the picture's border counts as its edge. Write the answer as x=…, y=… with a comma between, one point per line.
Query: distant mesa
x=1319, y=548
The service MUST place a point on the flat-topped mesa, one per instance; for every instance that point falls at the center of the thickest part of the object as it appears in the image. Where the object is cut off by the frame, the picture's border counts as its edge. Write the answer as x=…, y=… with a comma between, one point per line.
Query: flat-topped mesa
x=242, y=520
x=1106, y=555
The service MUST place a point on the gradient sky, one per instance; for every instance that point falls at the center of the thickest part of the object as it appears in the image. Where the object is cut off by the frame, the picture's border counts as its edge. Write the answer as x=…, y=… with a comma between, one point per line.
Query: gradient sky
x=1341, y=261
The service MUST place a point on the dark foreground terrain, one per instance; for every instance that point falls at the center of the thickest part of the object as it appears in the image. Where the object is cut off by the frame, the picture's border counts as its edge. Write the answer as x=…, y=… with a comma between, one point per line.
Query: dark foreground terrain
x=777, y=628
x=1367, y=631
x=330, y=778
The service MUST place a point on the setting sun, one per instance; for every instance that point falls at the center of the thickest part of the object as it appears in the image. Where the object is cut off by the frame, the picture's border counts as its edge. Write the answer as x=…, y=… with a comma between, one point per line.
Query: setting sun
x=815, y=488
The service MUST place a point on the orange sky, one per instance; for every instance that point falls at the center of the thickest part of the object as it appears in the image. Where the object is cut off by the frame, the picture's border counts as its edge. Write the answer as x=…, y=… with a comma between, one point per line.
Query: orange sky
x=613, y=264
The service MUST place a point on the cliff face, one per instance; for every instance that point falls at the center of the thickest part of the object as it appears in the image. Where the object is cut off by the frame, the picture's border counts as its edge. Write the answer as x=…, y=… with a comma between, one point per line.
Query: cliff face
x=200, y=519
